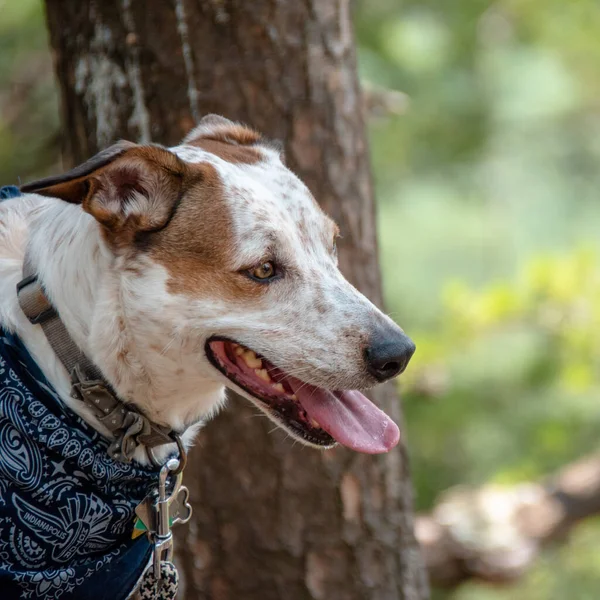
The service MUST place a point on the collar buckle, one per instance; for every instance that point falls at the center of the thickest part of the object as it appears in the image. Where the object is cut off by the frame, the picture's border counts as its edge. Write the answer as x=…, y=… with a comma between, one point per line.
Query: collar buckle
x=129, y=427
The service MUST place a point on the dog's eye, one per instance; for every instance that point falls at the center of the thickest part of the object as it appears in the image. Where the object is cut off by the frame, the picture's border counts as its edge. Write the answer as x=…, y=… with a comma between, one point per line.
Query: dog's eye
x=263, y=272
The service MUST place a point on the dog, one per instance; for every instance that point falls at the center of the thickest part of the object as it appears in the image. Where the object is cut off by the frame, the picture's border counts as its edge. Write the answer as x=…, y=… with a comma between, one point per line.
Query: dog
x=178, y=272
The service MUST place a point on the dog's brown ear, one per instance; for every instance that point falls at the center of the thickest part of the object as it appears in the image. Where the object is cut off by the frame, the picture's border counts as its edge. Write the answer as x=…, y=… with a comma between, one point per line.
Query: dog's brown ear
x=220, y=129
x=127, y=188
x=71, y=186
x=216, y=128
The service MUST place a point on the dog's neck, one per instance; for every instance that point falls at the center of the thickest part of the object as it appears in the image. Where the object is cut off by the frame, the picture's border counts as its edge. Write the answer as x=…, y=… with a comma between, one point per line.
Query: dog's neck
x=77, y=270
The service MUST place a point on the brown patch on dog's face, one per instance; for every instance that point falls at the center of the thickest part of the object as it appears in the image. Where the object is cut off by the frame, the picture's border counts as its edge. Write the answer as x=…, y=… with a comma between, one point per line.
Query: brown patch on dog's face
x=148, y=200
x=197, y=247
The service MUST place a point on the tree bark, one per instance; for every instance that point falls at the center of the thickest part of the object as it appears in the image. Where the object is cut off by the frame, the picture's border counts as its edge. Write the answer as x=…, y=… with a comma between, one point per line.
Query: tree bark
x=272, y=520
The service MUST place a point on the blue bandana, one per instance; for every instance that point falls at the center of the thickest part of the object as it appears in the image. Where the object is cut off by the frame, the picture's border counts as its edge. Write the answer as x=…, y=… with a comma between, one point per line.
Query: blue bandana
x=9, y=191
x=66, y=507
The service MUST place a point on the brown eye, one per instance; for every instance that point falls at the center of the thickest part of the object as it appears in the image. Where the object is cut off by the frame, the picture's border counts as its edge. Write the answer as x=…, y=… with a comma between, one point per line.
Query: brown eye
x=263, y=272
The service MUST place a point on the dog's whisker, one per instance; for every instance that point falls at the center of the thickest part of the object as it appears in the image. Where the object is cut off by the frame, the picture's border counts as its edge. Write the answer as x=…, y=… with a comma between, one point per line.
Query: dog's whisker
x=258, y=416
x=299, y=371
x=167, y=346
x=304, y=385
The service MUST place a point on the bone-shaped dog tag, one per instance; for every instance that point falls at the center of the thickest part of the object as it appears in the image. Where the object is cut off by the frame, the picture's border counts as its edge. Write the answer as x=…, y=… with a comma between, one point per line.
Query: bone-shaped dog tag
x=180, y=510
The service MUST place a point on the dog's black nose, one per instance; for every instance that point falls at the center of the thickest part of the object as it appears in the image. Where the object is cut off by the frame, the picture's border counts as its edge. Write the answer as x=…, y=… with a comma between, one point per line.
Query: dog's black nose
x=389, y=353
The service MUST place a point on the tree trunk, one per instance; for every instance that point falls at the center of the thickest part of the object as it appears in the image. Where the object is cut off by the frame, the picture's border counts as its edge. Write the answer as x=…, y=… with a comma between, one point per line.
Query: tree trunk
x=272, y=520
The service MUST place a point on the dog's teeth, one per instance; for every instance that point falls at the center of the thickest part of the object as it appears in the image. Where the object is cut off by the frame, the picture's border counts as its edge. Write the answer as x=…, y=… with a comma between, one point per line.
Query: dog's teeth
x=315, y=424
x=279, y=387
x=294, y=397
x=238, y=350
x=252, y=360
x=263, y=374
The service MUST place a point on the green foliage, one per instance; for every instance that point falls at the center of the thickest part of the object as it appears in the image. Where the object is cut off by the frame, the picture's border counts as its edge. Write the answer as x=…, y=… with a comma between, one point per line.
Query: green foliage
x=507, y=389
x=488, y=211
x=498, y=389
x=28, y=99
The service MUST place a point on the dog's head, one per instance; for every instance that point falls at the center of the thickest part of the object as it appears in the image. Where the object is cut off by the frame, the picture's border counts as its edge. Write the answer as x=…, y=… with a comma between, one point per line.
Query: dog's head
x=221, y=253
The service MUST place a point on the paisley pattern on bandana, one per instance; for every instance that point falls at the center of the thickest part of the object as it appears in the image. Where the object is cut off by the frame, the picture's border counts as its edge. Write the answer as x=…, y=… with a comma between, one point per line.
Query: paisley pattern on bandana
x=66, y=508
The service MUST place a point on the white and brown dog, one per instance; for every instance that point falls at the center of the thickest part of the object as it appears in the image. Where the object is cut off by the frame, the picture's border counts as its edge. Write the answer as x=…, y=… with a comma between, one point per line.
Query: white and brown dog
x=180, y=272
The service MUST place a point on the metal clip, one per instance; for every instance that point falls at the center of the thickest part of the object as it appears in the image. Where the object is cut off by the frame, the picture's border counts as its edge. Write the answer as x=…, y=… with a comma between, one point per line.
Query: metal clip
x=163, y=538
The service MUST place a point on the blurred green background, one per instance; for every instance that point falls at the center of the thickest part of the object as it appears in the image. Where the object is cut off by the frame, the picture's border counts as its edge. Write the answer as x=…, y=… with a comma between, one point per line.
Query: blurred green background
x=487, y=188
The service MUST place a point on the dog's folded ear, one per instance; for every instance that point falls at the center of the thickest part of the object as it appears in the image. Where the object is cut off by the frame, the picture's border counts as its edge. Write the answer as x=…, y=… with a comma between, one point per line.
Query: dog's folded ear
x=219, y=129
x=127, y=187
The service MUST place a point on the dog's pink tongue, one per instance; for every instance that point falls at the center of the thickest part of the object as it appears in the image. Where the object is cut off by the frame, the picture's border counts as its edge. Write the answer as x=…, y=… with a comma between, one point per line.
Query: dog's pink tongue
x=349, y=417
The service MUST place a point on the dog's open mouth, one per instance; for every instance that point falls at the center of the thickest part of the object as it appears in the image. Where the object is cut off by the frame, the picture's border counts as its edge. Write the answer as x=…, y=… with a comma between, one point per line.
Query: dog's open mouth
x=318, y=416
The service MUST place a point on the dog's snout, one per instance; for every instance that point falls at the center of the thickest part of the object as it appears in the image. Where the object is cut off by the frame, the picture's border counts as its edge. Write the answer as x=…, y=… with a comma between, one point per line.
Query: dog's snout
x=389, y=353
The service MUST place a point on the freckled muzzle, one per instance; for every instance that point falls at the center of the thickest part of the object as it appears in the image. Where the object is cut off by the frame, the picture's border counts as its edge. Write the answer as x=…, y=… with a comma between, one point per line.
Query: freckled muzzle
x=318, y=416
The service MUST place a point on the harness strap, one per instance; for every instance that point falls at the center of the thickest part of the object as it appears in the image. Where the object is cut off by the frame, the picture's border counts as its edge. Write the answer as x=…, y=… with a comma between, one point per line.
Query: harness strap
x=129, y=427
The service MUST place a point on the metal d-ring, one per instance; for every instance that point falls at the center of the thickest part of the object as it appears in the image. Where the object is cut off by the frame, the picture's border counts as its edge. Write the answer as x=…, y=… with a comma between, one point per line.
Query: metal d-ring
x=182, y=453
x=180, y=449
